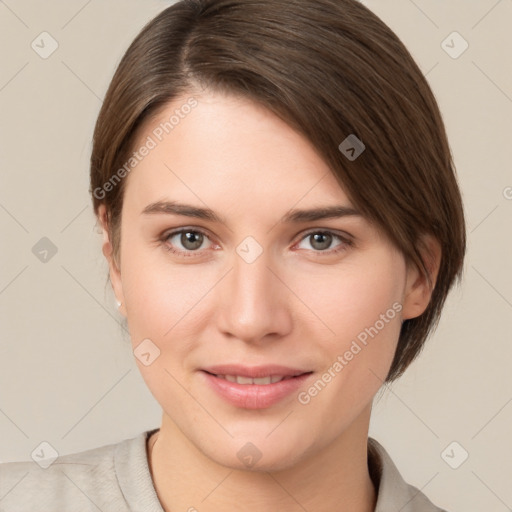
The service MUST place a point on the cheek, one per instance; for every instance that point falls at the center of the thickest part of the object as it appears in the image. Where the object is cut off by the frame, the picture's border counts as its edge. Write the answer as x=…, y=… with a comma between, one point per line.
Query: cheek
x=159, y=296
x=362, y=306
x=361, y=303
x=353, y=295
x=373, y=305
x=166, y=304
x=160, y=301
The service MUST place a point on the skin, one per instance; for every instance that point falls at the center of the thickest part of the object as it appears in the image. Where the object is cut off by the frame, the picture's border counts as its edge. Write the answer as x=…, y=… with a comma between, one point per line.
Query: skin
x=295, y=305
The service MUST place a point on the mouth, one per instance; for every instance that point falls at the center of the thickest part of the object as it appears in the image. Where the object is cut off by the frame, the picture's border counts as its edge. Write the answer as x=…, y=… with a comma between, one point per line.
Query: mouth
x=256, y=387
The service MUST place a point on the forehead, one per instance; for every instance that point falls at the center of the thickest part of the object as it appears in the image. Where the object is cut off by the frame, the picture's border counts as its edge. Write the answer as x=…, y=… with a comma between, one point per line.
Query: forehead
x=230, y=153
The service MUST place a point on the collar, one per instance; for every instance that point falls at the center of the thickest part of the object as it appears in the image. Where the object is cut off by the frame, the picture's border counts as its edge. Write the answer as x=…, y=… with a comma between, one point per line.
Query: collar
x=393, y=492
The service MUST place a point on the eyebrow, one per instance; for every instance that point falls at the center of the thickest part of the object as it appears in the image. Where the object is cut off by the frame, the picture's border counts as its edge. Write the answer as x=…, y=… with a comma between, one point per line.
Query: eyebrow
x=292, y=216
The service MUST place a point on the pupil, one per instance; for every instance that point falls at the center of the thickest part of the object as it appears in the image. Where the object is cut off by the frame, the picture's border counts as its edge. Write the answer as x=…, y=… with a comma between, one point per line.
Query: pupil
x=326, y=240
x=188, y=238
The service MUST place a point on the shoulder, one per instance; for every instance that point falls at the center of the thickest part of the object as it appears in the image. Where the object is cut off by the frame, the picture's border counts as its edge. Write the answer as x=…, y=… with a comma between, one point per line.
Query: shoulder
x=83, y=481
x=394, y=493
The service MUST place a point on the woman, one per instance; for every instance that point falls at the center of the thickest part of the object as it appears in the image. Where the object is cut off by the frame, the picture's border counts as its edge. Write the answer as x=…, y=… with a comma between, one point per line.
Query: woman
x=282, y=224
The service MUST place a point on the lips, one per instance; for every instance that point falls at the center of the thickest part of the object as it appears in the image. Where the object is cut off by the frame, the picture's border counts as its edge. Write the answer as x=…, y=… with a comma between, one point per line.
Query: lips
x=256, y=387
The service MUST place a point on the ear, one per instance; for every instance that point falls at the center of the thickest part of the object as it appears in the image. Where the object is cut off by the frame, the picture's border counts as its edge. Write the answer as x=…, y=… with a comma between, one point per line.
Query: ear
x=418, y=292
x=108, y=252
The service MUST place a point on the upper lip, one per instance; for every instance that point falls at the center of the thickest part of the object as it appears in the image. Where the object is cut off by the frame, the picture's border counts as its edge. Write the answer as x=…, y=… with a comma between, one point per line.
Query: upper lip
x=254, y=371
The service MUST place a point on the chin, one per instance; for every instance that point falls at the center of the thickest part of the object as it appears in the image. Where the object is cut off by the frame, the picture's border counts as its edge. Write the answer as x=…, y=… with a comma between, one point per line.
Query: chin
x=270, y=463
x=257, y=453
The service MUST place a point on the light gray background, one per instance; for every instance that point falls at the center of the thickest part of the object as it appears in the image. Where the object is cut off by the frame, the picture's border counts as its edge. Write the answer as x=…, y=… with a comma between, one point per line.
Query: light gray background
x=67, y=374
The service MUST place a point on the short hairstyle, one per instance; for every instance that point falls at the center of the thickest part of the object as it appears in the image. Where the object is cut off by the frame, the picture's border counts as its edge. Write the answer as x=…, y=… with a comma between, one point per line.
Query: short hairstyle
x=328, y=68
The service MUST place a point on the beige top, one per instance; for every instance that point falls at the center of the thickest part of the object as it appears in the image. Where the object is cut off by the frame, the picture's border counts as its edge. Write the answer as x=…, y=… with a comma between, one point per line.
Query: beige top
x=116, y=478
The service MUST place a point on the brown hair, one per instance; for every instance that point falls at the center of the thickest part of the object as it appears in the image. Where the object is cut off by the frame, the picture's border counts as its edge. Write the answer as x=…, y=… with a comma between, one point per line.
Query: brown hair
x=328, y=68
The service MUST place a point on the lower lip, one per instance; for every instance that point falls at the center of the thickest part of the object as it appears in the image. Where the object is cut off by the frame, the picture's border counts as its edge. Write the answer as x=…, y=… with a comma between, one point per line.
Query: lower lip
x=254, y=396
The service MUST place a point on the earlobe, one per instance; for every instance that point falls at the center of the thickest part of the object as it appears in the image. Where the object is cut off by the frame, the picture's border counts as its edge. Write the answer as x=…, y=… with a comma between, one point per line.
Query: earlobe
x=108, y=252
x=418, y=290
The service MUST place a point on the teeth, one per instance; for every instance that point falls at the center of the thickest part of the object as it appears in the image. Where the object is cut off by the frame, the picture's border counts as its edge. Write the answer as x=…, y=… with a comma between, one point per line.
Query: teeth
x=248, y=380
x=263, y=380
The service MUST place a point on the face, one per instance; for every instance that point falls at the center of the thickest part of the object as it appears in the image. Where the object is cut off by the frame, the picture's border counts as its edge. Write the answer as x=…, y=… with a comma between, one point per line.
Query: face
x=253, y=287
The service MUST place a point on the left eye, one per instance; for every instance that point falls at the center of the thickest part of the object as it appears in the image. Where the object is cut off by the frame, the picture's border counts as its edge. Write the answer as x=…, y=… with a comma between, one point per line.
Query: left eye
x=322, y=240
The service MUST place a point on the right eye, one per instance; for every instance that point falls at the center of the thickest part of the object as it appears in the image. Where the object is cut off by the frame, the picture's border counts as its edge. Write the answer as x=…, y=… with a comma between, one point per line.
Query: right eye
x=190, y=240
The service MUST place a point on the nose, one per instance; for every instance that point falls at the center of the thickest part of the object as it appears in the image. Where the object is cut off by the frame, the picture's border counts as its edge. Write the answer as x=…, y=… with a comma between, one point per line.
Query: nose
x=253, y=302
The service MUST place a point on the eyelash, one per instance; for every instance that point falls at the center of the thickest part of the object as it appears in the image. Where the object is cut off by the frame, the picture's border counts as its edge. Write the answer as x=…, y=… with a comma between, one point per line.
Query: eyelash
x=346, y=242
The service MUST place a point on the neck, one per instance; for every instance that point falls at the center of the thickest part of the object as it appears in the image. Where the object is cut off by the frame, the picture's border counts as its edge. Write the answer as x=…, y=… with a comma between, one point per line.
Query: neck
x=335, y=478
